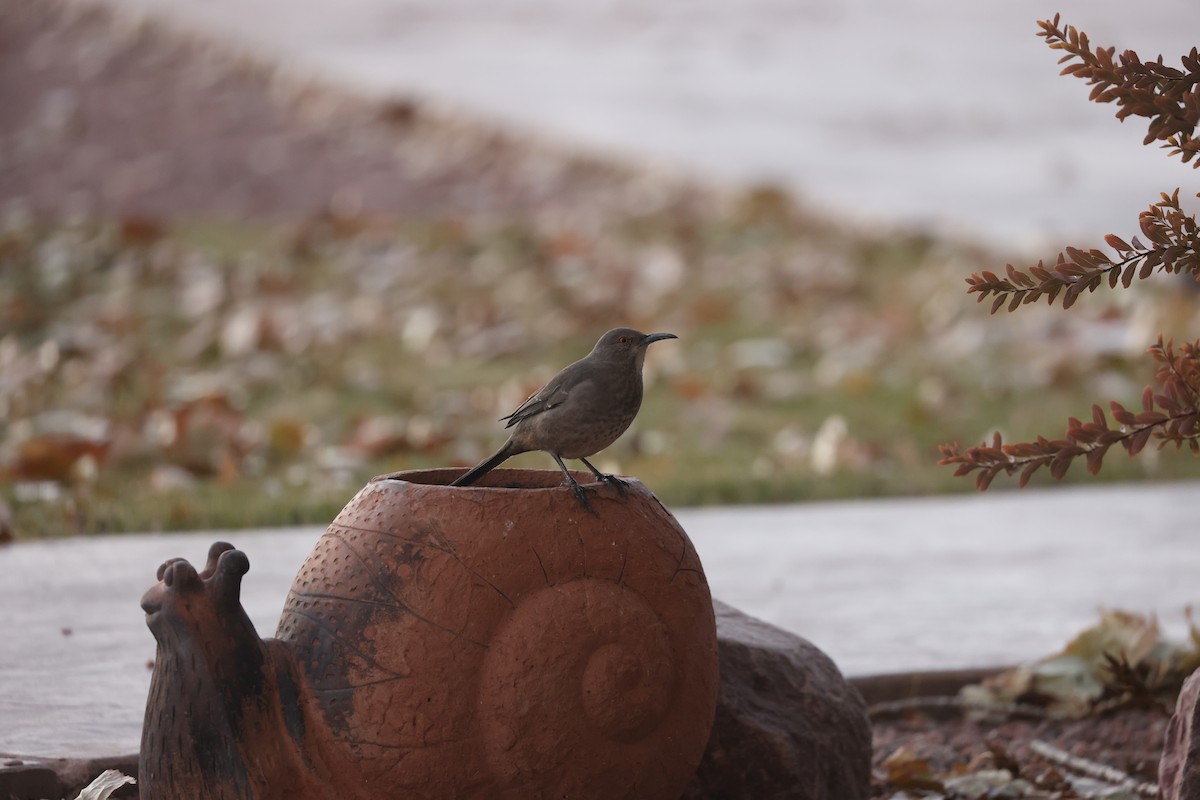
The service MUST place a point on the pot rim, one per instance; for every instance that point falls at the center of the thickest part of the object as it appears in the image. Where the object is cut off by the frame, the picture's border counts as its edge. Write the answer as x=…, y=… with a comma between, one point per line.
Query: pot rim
x=500, y=479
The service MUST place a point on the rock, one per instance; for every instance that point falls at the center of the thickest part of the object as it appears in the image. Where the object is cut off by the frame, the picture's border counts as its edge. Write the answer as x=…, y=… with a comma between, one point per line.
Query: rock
x=788, y=724
x=27, y=780
x=1179, y=769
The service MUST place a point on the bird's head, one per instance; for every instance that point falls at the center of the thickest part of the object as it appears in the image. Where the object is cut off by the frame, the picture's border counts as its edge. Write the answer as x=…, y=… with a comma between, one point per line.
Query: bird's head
x=627, y=344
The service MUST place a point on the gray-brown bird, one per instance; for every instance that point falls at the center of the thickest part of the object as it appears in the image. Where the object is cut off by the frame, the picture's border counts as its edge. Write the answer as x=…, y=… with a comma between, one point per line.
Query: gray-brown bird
x=582, y=410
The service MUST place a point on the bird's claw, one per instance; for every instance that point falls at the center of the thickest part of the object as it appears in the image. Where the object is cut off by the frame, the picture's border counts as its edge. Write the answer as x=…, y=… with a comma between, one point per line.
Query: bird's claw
x=612, y=480
x=580, y=493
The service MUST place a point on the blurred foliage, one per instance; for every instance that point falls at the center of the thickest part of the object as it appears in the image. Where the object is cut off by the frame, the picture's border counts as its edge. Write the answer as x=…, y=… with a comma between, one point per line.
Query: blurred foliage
x=165, y=377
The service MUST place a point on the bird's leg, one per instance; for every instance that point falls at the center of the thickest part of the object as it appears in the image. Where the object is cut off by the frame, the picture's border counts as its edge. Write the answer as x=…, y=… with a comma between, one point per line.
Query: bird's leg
x=578, y=490
x=611, y=480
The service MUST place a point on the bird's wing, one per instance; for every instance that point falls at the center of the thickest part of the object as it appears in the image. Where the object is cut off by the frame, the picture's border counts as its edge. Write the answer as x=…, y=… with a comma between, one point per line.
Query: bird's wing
x=553, y=394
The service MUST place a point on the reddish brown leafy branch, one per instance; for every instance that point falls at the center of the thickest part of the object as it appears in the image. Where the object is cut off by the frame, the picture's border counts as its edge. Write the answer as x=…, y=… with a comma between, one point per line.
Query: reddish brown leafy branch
x=1171, y=415
x=1167, y=96
x=1174, y=246
x=1170, y=99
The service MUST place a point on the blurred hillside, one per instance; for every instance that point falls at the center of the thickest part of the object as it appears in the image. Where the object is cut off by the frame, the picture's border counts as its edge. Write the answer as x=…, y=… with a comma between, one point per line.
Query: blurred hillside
x=942, y=115
x=107, y=115
x=228, y=298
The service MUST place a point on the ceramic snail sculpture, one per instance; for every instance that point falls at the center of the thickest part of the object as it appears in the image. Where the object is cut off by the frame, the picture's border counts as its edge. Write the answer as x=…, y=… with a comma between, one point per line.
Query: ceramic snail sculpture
x=494, y=641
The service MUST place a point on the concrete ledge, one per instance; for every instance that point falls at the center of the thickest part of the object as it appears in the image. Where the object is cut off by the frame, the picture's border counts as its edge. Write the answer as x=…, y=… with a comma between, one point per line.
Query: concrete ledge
x=25, y=778
x=905, y=587
x=888, y=688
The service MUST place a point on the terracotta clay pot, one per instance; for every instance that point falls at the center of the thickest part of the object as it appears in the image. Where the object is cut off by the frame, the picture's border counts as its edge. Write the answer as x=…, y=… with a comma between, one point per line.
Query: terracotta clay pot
x=492, y=641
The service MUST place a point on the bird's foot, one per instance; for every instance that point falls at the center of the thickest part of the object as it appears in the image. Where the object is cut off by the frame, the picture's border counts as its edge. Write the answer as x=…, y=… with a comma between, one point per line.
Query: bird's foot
x=612, y=480
x=580, y=493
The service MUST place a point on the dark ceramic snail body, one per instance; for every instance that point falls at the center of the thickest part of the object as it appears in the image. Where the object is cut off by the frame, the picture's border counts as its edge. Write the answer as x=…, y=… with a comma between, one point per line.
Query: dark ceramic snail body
x=494, y=641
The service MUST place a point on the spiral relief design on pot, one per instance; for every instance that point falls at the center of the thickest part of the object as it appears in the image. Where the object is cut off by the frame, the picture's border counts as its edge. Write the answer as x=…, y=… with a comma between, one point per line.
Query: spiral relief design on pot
x=629, y=678
x=501, y=643
x=565, y=661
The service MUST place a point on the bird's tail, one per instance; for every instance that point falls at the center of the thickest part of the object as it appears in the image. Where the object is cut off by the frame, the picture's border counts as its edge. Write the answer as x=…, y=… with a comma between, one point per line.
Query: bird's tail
x=505, y=452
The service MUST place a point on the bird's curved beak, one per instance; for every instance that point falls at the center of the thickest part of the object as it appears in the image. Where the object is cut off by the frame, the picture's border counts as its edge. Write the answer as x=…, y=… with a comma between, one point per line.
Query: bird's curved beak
x=650, y=338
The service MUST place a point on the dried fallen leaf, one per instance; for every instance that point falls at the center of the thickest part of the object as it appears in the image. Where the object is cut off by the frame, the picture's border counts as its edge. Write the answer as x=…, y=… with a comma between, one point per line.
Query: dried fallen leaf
x=54, y=456
x=907, y=771
x=104, y=785
x=7, y=534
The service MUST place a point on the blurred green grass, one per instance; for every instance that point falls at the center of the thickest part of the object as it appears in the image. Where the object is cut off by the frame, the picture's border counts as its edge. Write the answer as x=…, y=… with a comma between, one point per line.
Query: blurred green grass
x=246, y=375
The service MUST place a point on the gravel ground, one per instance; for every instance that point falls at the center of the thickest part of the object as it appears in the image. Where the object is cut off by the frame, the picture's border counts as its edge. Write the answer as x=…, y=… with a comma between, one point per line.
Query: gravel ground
x=941, y=747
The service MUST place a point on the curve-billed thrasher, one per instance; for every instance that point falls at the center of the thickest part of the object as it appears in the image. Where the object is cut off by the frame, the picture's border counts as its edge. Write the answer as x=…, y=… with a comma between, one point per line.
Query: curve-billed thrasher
x=582, y=410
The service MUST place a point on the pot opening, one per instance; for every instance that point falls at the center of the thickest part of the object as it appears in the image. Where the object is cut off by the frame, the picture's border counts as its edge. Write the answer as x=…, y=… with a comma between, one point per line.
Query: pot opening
x=496, y=479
